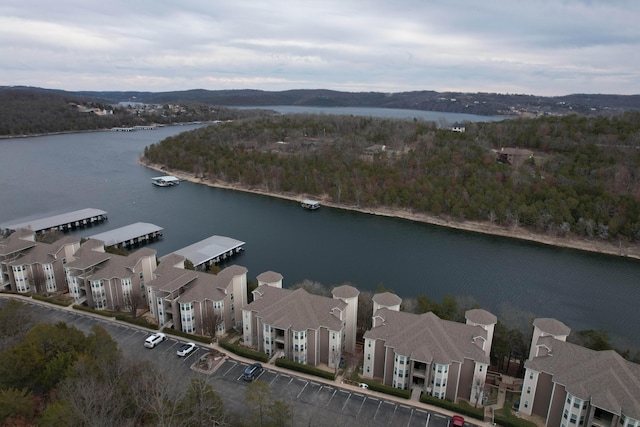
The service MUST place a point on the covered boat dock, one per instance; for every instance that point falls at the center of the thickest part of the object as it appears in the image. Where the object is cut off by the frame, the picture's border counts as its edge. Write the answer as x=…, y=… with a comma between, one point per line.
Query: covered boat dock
x=312, y=205
x=211, y=251
x=63, y=222
x=130, y=235
x=165, y=181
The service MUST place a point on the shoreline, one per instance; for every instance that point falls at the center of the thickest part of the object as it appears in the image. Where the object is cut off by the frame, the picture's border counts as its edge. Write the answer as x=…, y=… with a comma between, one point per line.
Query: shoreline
x=600, y=247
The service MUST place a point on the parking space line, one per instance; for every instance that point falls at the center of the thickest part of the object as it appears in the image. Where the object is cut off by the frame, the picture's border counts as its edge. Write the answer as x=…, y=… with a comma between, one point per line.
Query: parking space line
x=229, y=370
x=345, y=402
x=410, y=416
x=377, y=409
x=361, y=405
x=303, y=388
x=331, y=398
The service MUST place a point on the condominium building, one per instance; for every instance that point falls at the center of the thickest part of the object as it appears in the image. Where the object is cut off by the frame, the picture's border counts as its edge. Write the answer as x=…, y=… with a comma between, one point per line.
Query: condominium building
x=28, y=266
x=108, y=281
x=300, y=326
x=197, y=302
x=442, y=358
x=569, y=385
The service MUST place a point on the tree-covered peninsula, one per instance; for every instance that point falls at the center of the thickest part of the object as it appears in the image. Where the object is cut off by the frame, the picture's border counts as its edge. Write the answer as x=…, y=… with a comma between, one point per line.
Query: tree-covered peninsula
x=553, y=179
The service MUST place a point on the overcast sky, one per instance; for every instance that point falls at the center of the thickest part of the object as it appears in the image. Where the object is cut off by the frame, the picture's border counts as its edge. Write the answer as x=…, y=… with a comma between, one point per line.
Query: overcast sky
x=541, y=47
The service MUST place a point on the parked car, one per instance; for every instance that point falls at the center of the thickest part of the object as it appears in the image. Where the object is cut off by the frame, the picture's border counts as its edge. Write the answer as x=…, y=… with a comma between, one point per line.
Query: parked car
x=252, y=372
x=186, y=349
x=154, y=339
x=458, y=421
x=363, y=385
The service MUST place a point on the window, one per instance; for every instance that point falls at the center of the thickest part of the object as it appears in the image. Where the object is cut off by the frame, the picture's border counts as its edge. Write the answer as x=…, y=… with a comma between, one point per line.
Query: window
x=368, y=356
x=528, y=390
x=481, y=368
x=526, y=403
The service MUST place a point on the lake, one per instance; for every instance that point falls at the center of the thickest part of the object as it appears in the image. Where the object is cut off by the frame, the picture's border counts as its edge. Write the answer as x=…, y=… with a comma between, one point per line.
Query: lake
x=59, y=173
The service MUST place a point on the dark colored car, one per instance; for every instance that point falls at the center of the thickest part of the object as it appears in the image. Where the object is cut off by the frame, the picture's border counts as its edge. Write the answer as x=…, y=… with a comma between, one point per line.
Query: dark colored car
x=252, y=372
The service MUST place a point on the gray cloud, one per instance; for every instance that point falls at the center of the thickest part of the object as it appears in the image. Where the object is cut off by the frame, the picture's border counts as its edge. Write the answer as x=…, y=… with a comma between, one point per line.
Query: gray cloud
x=548, y=47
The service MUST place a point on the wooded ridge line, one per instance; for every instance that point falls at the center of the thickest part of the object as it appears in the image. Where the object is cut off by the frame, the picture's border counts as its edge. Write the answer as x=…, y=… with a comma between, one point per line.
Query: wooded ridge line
x=572, y=181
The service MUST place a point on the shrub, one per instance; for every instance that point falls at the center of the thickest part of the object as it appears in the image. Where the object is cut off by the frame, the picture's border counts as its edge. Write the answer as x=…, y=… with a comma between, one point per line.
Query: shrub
x=138, y=321
x=460, y=408
x=387, y=389
x=94, y=311
x=61, y=301
x=244, y=351
x=190, y=337
x=511, y=421
x=306, y=369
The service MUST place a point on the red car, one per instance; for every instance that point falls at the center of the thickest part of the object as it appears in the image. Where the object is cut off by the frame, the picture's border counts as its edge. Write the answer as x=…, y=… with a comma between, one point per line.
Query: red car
x=458, y=421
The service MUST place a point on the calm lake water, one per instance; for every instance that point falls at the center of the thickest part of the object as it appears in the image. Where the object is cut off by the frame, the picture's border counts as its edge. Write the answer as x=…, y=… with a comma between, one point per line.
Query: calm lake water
x=54, y=174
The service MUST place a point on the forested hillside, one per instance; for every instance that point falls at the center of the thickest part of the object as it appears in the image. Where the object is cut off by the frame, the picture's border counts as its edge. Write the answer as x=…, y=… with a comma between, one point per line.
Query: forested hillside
x=30, y=111
x=583, y=179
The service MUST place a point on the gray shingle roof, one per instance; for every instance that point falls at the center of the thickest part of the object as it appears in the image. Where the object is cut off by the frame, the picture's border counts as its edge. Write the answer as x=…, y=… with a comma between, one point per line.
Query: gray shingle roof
x=345, y=291
x=168, y=278
x=17, y=242
x=551, y=326
x=90, y=254
x=121, y=267
x=211, y=286
x=427, y=338
x=480, y=316
x=606, y=378
x=269, y=277
x=388, y=299
x=296, y=309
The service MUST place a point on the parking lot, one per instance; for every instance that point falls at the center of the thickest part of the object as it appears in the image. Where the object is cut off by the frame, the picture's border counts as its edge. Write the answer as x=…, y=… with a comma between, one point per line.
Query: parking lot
x=313, y=403
x=328, y=405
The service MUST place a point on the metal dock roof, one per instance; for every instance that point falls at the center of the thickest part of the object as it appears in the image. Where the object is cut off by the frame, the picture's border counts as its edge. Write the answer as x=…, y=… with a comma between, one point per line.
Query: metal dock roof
x=55, y=220
x=126, y=233
x=209, y=249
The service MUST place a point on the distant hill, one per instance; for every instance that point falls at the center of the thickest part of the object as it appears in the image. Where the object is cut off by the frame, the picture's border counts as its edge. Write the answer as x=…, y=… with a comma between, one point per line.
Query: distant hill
x=34, y=111
x=481, y=103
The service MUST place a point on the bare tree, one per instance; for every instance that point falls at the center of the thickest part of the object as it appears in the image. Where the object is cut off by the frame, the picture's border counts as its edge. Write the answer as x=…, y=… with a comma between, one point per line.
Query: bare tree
x=202, y=406
x=156, y=393
x=365, y=311
x=133, y=301
x=38, y=278
x=210, y=323
x=15, y=322
x=95, y=396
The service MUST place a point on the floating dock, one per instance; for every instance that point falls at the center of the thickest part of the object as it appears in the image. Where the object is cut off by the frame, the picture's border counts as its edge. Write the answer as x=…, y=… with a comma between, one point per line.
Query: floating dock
x=63, y=222
x=130, y=235
x=165, y=181
x=211, y=251
x=311, y=205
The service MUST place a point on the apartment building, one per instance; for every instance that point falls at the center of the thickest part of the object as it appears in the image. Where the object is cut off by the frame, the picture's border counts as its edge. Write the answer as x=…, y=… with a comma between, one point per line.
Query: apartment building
x=300, y=326
x=197, y=302
x=28, y=266
x=442, y=358
x=108, y=281
x=569, y=385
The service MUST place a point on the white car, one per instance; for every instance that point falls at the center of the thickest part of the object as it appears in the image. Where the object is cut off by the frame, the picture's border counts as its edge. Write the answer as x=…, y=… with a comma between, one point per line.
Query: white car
x=154, y=339
x=186, y=349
